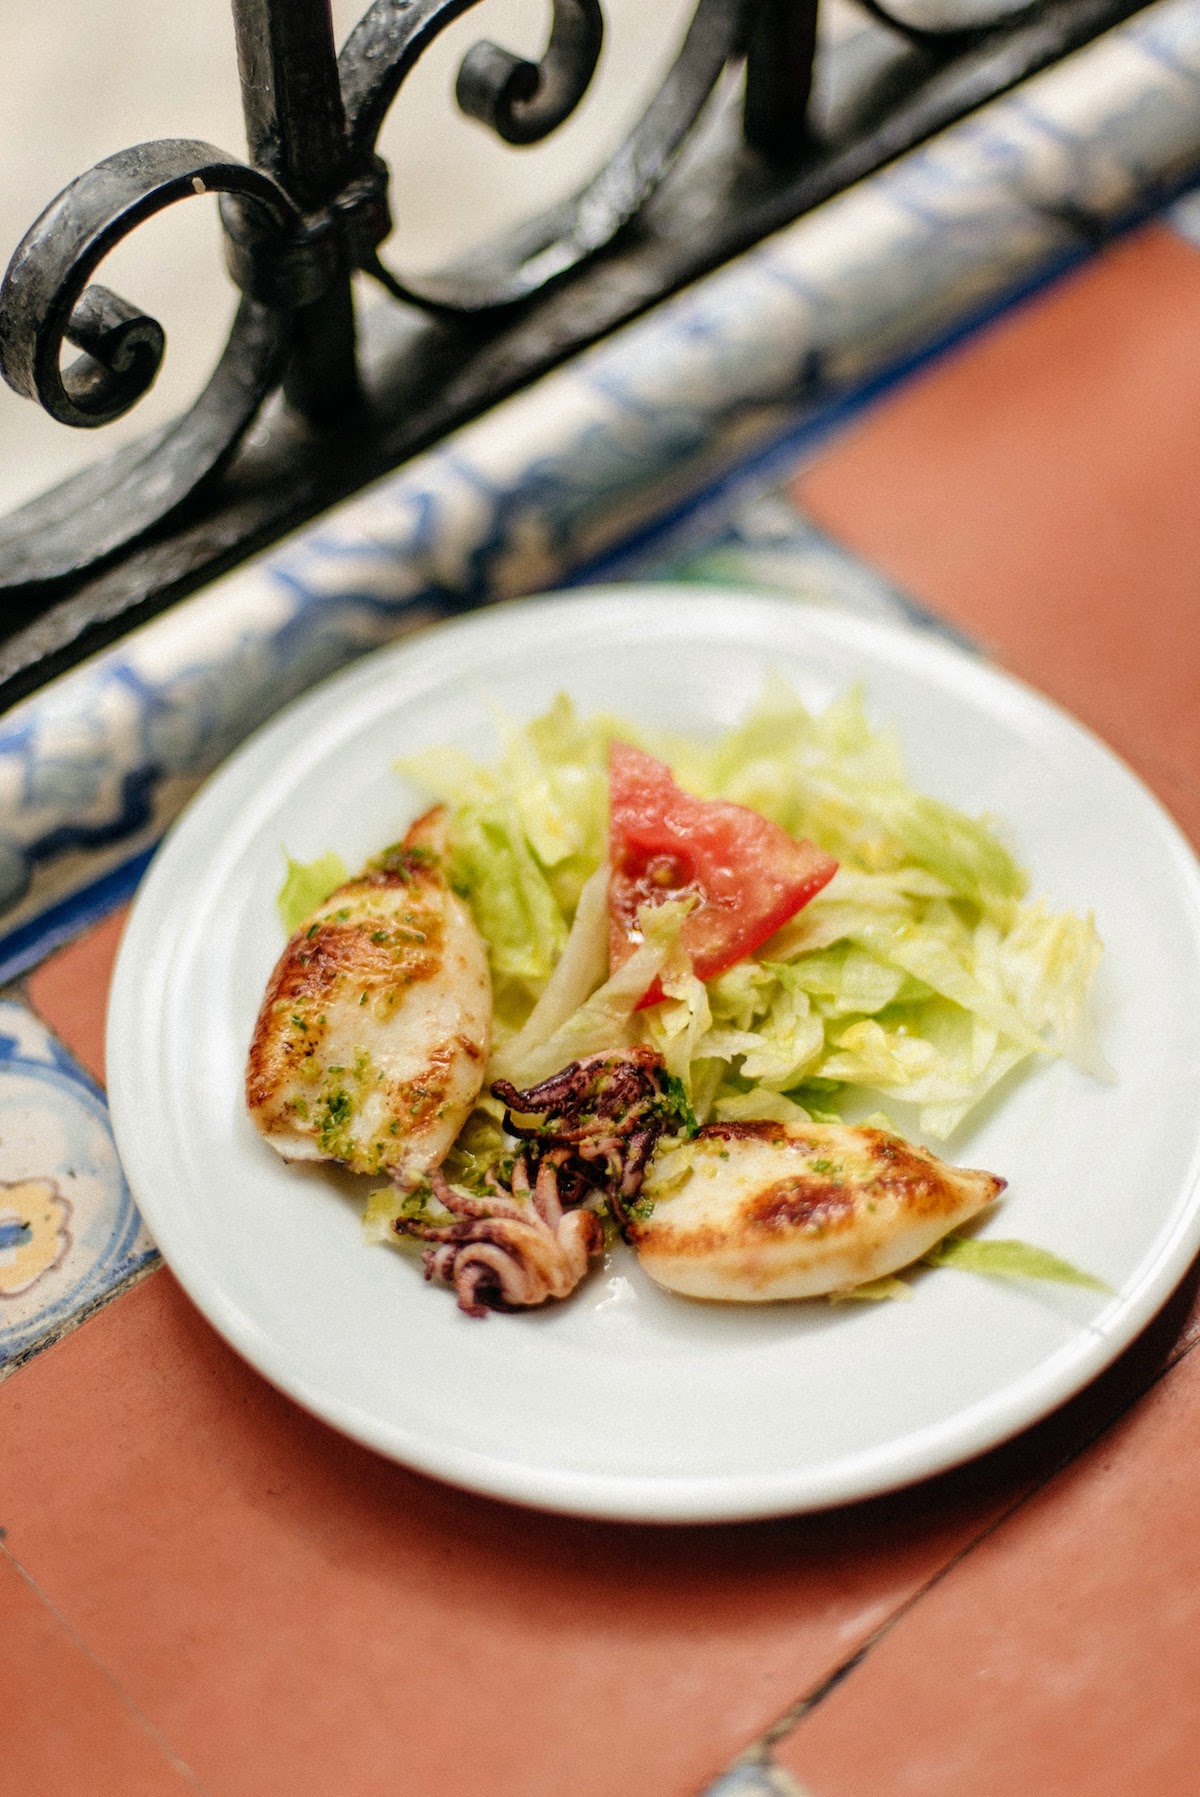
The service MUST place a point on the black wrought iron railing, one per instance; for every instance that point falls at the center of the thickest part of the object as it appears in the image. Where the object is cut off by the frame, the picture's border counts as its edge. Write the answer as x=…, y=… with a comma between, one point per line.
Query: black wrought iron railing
x=711, y=167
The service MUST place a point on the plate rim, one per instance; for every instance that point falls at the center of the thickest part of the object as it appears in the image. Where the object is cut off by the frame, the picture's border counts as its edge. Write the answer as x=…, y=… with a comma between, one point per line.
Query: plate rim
x=684, y=1499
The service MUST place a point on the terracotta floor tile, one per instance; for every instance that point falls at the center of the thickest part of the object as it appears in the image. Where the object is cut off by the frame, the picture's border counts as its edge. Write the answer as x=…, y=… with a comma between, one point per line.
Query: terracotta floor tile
x=67, y=1731
x=1061, y=1657
x=297, y=1616
x=1038, y=487
x=70, y=990
x=238, y=1561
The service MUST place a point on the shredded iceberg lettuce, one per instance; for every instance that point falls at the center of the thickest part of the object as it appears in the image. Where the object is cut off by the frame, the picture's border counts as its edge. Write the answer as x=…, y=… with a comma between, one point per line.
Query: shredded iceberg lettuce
x=1008, y=1260
x=919, y=977
x=993, y=1258
x=308, y=884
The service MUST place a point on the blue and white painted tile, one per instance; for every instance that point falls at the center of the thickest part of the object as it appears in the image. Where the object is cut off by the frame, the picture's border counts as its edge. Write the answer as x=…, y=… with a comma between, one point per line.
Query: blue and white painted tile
x=698, y=401
x=755, y=1777
x=69, y=1231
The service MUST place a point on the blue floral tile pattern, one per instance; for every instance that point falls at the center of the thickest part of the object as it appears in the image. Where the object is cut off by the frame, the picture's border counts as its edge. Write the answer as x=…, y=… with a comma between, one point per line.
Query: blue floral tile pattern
x=69, y=1231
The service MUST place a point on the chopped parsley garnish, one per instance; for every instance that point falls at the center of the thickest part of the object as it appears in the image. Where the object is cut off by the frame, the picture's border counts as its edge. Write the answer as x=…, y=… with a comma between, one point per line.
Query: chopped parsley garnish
x=677, y=1106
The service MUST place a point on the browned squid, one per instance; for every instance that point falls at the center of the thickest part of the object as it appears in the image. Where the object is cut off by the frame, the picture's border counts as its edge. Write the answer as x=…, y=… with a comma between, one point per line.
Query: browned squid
x=590, y=1129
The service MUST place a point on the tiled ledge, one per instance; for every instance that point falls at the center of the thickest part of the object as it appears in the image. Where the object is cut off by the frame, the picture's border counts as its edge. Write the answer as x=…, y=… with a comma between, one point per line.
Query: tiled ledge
x=70, y=1236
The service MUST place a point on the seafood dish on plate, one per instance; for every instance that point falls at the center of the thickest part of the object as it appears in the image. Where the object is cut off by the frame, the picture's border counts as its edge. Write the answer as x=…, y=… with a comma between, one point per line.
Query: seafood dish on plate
x=630, y=986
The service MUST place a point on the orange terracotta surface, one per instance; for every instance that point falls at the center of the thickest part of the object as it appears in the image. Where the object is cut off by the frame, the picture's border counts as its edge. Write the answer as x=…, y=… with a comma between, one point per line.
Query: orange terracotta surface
x=295, y=1615
x=70, y=990
x=68, y=1729
x=1061, y=1657
x=1038, y=487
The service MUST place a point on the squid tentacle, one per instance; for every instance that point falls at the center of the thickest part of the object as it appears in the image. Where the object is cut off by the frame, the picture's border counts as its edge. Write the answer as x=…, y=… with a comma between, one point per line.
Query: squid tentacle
x=595, y=1125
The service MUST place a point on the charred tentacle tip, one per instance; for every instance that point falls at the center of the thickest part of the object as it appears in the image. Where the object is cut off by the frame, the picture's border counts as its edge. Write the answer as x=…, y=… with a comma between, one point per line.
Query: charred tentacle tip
x=591, y=1128
x=609, y=1110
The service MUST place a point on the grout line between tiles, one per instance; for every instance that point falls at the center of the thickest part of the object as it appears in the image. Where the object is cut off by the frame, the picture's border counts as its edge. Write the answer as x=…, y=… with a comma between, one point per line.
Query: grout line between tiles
x=138, y=1715
x=792, y=1717
x=86, y=1311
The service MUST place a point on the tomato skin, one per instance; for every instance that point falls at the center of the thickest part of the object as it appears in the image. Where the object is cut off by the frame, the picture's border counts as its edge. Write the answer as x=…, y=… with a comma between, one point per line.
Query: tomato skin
x=747, y=873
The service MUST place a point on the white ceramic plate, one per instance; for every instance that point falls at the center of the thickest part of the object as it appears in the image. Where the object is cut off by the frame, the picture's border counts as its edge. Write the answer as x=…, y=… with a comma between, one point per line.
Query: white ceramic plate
x=625, y=1402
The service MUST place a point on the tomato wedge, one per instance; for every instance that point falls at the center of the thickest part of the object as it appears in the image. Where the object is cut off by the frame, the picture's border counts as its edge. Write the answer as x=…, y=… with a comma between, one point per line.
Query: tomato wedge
x=748, y=875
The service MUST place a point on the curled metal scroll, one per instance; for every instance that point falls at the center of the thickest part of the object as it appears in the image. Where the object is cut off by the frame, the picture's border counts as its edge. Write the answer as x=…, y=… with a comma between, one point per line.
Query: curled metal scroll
x=524, y=101
x=293, y=266
x=47, y=300
x=389, y=40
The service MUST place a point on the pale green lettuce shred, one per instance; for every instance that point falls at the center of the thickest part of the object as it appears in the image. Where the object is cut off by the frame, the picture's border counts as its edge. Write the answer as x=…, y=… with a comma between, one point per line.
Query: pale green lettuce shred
x=515, y=909
x=785, y=1046
x=680, y=1021
x=759, y=1105
x=1047, y=961
x=873, y=1291
x=1008, y=1260
x=609, y=1018
x=581, y=968
x=918, y=977
x=993, y=1258
x=494, y=863
x=307, y=885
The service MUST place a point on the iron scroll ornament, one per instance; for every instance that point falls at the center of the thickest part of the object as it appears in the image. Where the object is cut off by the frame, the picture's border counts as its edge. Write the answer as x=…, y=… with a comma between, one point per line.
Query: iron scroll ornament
x=291, y=260
x=310, y=207
x=524, y=101
x=385, y=46
x=46, y=300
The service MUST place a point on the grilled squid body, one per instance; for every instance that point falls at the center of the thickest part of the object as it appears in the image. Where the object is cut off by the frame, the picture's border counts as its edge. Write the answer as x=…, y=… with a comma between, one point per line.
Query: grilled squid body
x=375, y=1030
x=750, y=1212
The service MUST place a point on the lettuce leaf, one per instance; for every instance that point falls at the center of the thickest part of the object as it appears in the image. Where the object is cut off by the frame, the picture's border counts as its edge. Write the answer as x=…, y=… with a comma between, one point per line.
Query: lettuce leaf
x=581, y=968
x=759, y=1105
x=307, y=885
x=873, y=1291
x=1008, y=1260
x=518, y=916
x=609, y=1018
